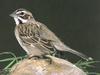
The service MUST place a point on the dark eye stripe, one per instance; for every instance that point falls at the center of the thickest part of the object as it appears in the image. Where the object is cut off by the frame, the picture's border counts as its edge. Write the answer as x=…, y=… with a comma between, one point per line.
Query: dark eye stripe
x=26, y=16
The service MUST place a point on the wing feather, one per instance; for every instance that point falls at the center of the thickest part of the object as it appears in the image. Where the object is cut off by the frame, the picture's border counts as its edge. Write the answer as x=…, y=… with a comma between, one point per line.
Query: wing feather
x=31, y=34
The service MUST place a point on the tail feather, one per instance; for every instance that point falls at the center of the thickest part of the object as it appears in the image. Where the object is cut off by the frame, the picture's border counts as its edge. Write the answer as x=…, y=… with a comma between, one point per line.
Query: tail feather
x=80, y=54
x=61, y=47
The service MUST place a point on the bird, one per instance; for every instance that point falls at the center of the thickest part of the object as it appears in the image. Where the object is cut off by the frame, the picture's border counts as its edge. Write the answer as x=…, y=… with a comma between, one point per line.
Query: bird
x=36, y=38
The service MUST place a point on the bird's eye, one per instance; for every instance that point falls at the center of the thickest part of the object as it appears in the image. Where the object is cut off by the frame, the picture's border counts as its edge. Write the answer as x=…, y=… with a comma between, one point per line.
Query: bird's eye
x=22, y=13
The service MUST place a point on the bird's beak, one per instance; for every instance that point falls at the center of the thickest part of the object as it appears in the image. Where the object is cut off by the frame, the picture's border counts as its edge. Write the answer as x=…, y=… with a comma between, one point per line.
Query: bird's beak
x=12, y=15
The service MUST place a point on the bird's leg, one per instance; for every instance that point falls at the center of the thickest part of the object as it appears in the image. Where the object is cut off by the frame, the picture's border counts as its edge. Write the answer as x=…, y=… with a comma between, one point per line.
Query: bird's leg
x=41, y=57
x=48, y=59
x=54, y=50
x=35, y=57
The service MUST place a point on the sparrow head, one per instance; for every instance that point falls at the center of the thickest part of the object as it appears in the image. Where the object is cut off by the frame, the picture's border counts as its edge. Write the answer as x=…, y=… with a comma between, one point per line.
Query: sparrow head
x=21, y=16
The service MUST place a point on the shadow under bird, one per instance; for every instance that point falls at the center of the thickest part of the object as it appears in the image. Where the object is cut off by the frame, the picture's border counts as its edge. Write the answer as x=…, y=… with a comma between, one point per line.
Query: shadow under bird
x=35, y=38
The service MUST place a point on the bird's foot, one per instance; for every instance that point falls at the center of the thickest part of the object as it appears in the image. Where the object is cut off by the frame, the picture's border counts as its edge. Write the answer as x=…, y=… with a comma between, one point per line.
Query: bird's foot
x=54, y=53
x=35, y=57
x=48, y=59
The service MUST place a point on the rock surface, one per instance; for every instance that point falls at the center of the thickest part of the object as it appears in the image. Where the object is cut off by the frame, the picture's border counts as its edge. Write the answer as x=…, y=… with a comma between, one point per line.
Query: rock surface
x=44, y=67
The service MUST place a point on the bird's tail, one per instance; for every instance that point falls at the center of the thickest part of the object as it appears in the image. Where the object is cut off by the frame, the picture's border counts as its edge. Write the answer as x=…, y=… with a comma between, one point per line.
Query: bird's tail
x=80, y=54
x=62, y=47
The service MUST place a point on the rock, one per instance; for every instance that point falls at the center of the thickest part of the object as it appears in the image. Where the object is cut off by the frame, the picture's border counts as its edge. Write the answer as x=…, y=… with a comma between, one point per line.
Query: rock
x=44, y=67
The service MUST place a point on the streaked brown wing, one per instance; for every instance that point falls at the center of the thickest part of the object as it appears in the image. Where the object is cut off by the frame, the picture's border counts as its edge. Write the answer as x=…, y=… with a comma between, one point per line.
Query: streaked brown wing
x=31, y=34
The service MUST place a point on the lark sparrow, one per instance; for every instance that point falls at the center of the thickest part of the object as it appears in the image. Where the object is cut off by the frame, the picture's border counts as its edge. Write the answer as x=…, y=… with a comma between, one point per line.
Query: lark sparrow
x=35, y=38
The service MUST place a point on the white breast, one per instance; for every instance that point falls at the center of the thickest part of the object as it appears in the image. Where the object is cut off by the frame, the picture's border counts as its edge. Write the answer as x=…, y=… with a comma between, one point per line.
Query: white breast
x=20, y=41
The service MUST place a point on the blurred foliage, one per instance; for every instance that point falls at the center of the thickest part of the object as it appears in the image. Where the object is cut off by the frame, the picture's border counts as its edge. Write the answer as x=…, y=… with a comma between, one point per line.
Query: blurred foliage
x=10, y=60
x=84, y=65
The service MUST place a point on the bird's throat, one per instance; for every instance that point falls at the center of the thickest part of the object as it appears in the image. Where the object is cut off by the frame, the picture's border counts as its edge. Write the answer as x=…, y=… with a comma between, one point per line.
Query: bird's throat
x=19, y=20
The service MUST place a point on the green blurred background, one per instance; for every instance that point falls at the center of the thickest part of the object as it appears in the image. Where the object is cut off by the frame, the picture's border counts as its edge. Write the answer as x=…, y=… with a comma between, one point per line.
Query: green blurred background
x=76, y=22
